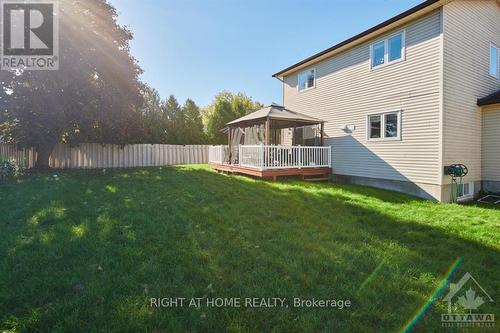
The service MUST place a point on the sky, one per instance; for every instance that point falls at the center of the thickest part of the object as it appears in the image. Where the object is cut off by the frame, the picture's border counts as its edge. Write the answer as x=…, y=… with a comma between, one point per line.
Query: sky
x=197, y=48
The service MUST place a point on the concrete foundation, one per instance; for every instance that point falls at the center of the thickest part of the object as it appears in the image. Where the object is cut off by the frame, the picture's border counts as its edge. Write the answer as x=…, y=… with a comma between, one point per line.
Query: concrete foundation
x=425, y=191
x=491, y=186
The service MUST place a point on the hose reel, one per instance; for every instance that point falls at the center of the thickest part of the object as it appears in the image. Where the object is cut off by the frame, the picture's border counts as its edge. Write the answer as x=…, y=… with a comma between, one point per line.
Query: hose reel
x=456, y=172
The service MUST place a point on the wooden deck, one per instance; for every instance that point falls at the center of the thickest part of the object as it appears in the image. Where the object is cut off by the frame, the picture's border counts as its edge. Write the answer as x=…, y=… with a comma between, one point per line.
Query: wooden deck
x=273, y=173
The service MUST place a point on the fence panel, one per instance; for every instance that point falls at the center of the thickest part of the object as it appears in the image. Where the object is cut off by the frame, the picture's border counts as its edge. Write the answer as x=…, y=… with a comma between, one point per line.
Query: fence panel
x=94, y=155
x=24, y=157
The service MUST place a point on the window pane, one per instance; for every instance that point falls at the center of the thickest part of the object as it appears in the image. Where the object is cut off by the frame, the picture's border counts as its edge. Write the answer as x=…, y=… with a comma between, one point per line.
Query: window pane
x=494, y=61
x=375, y=127
x=310, y=79
x=302, y=81
x=391, y=125
x=395, y=47
x=306, y=79
x=378, y=54
x=463, y=190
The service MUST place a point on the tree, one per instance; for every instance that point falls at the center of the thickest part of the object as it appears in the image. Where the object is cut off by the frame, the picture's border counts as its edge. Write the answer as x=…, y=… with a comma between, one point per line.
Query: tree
x=154, y=117
x=93, y=97
x=175, y=120
x=225, y=108
x=193, y=128
x=168, y=122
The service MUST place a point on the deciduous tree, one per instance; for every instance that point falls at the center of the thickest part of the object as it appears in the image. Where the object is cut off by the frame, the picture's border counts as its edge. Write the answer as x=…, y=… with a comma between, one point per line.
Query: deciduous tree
x=93, y=97
x=225, y=108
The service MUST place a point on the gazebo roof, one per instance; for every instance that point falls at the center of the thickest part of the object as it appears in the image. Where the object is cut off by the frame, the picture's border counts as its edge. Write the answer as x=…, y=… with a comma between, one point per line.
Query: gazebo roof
x=284, y=118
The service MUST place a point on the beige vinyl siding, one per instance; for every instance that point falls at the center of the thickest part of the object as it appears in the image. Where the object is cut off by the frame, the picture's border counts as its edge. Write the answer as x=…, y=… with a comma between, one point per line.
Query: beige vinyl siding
x=469, y=28
x=347, y=90
x=491, y=144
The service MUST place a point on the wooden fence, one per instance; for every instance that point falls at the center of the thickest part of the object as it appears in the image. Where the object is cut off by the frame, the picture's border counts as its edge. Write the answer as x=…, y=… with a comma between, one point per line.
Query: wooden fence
x=94, y=155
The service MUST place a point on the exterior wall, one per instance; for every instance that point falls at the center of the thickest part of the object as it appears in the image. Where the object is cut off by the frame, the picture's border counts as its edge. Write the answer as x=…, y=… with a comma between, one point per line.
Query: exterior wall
x=491, y=148
x=347, y=90
x=469, y=27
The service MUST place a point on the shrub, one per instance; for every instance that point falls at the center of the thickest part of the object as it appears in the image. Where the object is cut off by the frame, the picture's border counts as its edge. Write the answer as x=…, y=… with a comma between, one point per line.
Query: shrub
x=9, y=170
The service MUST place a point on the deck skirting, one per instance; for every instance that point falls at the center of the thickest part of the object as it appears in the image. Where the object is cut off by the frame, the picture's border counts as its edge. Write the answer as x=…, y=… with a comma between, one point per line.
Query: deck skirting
x=272, y=173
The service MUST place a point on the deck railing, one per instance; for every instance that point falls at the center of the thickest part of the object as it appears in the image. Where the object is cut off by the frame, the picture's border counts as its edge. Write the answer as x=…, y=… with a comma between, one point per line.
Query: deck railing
x=274, y=157
x=217, y=154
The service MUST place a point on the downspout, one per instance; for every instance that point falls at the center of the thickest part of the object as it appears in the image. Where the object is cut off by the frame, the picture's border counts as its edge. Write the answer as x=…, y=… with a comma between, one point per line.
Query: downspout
x=282, y=90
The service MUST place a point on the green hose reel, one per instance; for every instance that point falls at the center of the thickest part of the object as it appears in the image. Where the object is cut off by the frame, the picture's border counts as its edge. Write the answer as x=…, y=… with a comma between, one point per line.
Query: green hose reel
x=456, y=171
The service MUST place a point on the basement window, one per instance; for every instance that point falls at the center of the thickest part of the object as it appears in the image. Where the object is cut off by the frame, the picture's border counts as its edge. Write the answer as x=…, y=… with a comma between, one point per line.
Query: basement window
x=466, y=191
x=494, y=61
x=307, y=79
x=389, y=50
x=384, y=126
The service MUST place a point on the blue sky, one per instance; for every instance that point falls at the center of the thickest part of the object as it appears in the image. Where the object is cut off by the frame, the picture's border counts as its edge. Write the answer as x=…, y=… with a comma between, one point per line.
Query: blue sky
x=196, y=48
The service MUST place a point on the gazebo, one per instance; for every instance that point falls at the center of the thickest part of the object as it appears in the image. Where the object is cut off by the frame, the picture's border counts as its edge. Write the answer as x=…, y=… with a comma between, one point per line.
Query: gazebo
x=272, y=142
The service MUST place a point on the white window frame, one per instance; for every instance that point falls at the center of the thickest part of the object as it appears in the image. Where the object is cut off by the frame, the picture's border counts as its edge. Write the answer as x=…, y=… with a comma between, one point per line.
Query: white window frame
x=386, y=50
x=298, y=80
x=469, y=195
x=382, y=126
x=497, y=76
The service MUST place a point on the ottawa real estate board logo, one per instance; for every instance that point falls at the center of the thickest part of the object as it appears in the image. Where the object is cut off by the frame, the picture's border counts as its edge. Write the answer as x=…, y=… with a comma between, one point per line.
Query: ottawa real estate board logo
x=29, y=35
x=465, y=299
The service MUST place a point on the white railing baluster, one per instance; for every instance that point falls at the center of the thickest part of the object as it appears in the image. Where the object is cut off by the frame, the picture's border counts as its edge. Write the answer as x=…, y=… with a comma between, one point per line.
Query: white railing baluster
x=275, y=157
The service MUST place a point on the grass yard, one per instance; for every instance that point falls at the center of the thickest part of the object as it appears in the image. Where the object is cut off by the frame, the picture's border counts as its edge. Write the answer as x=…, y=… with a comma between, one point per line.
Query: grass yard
x=85, y=251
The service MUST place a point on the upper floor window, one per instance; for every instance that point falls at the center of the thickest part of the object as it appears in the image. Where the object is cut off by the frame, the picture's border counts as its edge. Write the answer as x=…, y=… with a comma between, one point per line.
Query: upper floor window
x=307, y=79
x=384, y=126
x=388, y=50
x=494, y=61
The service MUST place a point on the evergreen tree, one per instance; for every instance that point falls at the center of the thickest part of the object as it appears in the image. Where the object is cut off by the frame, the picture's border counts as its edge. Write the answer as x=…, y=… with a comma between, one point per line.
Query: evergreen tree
x=154, y=118
x=175, y=121
x=193, y=129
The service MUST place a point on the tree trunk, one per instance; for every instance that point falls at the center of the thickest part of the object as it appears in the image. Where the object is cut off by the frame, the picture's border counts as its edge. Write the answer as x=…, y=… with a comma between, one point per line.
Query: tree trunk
x=43, y=153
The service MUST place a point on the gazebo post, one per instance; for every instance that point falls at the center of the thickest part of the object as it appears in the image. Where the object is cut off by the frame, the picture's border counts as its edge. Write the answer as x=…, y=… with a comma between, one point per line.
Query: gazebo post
x=229, y=130
x=322, y=133
x=266, y=140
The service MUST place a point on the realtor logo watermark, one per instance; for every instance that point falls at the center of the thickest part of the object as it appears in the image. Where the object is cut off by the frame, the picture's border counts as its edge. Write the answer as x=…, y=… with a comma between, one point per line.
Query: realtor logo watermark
x=464, y=300
x=29, y=35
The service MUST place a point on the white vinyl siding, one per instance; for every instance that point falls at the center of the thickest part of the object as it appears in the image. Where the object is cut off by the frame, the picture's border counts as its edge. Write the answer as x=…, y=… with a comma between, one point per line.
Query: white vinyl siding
x=346, y=92
x=469, y=29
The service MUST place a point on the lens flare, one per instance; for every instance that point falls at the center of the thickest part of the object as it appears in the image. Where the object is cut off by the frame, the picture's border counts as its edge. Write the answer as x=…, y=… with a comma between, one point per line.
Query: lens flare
x=437, y=292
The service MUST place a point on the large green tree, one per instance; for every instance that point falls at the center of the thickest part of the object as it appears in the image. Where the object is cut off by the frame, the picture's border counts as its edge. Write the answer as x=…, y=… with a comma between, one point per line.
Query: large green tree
x=225, y=108
x=193, y=127
x=93, y=97
x=154, y=116
x=175, y=121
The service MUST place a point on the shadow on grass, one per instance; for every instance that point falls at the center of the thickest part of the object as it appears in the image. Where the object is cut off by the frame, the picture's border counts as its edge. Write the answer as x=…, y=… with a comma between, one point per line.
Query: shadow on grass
x=89, y=252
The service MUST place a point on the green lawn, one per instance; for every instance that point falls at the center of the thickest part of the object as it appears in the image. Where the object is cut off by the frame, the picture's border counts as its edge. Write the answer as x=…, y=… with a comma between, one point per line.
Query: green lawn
x=86, y=250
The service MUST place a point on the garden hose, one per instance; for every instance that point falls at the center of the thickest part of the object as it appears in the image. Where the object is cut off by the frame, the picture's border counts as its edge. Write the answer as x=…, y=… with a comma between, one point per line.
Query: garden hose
x=456, y=171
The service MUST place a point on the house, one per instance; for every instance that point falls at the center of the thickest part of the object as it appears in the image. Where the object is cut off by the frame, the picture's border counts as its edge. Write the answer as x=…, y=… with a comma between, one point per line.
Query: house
x=408, y=97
